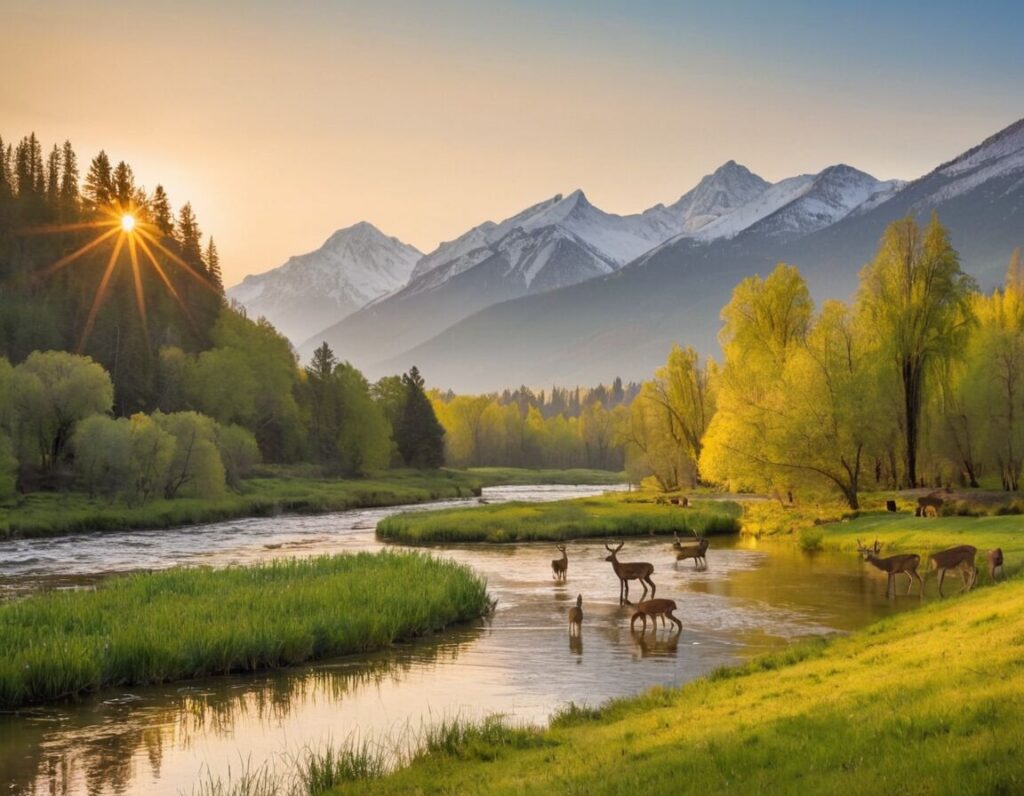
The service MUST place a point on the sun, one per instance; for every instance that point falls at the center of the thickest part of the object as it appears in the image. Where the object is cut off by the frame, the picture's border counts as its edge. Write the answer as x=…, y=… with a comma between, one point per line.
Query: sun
x=127, y=222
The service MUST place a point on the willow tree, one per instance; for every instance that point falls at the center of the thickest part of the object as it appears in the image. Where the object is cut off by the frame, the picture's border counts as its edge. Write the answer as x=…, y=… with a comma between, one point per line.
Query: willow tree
x=914, y=299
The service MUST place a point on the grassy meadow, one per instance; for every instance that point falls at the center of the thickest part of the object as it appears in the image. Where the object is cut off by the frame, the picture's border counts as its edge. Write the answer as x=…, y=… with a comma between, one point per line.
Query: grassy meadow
x=921, y=703
x=610, y=516
x=192, y=622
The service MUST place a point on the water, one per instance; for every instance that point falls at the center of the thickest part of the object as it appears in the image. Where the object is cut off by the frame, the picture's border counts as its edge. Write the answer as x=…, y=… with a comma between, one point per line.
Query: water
x=520, y=662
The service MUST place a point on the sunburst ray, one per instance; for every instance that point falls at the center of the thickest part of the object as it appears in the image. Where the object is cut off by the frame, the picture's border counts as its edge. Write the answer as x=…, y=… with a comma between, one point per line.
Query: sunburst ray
x=101, y=293
x=67, y=260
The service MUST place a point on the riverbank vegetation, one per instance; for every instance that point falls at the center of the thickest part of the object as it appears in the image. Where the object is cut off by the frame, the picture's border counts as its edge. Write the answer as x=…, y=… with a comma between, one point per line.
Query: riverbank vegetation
x=192, y=622
x=923, y=702
x=608, y=517
x=525, y=476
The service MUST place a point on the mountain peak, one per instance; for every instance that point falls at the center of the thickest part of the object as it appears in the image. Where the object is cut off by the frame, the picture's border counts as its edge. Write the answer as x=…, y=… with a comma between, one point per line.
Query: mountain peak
x=1006, y=146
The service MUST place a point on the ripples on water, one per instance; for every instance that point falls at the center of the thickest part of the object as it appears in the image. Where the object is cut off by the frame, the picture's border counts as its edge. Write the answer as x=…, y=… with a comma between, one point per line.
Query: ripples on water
x=519, y=662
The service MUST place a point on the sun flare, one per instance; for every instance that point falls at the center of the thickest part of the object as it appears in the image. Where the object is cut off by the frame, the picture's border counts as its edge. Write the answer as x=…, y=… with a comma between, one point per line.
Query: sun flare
x=127, y=222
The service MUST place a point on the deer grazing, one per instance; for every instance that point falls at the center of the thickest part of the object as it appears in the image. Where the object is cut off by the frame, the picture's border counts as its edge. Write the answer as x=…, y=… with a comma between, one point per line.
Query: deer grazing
x=654, y=609
x=560, y=566
x=960, y=558
x=893, y=565
x=995, y=562
x=695, y=550
x=639, y=570
x=929, y=506
x=576, y=617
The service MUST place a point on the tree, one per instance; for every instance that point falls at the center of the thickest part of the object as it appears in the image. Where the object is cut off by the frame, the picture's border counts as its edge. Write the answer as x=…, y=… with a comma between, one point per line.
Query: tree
x=53, y=170
x=196, y=467
x=190, y=237
x=914, y=298
x=238, y=452
x=99, y=183
x=160, y=207
x=123, y=184
x=103, y=454
x=420, y=437
x=69, y=175
x=55, y=390
x=213, y=265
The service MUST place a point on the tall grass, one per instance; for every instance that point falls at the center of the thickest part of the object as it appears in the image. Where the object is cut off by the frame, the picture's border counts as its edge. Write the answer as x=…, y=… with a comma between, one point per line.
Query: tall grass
x=50, y=514
x=185, y=623
x=608, y=516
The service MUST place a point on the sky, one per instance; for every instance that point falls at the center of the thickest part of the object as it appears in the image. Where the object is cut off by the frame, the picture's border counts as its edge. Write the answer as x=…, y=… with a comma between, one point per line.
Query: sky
x=284, y=121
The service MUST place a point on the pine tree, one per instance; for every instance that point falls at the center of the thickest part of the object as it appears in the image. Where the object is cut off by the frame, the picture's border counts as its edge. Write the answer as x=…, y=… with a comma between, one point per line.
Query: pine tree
x=189, y=236
x=6, y=172
x=420, y=437
x=160, y=207
x=69, y=175
x=99, y=185
x=124, y=184
x=213, y=266
x=53, y=165
x=37, y=174
x=321, y=366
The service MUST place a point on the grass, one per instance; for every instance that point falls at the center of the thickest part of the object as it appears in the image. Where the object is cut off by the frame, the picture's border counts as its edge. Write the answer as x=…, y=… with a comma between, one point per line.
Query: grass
x=920, y=703
x=53, y=514
x=185, y=623
x=521, y=476
x=610, y=516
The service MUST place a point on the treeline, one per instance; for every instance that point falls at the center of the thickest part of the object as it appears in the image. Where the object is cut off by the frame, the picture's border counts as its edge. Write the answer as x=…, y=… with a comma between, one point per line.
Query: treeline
x=917, y=382
x=53, y=273
x=563, y=400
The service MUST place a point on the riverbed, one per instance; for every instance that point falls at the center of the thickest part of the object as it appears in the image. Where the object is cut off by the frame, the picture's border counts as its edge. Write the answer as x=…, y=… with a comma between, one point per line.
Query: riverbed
x=520, y=662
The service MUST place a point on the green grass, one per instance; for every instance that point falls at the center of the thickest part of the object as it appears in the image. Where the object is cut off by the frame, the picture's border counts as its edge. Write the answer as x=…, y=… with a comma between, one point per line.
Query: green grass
x=922, y=703
x=611, y=516
x=53, y=514
x=185, y=623
x=521, y=476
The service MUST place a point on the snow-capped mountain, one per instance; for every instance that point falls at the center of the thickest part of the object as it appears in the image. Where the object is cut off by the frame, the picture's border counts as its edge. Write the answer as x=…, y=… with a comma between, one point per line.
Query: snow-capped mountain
x=716, y=196
x=354, y=266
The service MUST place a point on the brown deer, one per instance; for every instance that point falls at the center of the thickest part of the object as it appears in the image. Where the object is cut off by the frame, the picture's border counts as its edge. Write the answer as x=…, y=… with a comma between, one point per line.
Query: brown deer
x=929, y=506
x=905, y=563
x=639, y=570
x=560, y=566
x=654, y=609
x=576, y=617
x=695, y=550
x=995, y=562
x=961, y=558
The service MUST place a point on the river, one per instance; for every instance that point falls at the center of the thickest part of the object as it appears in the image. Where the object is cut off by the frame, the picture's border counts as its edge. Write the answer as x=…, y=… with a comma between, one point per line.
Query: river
x=519, y=662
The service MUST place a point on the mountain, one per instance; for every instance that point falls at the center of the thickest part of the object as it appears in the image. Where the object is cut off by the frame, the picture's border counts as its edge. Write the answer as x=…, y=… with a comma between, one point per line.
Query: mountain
x=556, y=243
x=829, y=225
x=354, y=266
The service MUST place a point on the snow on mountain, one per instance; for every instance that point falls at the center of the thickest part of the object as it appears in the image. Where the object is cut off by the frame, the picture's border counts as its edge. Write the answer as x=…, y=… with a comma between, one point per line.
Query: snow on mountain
x=999, y=155
x=769, y=201
x=729, y=188
x=354, y=266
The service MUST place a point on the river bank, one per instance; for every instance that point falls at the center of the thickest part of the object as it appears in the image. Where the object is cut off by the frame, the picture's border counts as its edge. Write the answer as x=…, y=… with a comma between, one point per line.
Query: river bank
x=279, y=490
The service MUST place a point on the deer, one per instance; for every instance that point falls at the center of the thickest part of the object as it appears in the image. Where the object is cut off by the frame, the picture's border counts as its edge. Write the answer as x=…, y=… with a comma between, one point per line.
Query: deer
x=960, y=557
x=654, y=609
x=929, y=506
x=995, y=562
x=576, y=617
x=639, y=570
x=560, y=566
x=905, y=563
x=695, y=550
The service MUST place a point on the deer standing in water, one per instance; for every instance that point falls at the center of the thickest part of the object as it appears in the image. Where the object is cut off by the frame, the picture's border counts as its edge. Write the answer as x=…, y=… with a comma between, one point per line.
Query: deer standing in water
x=654, y=609
x=960, y=558
x=893, y=565
x=560, y=566
x=995, y=562
x=576, y=617
x=639, y=570
x=695, y=550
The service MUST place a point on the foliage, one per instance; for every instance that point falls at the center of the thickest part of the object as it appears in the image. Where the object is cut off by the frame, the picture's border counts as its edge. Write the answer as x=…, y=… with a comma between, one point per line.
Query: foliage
x=418, y=435
x=185, y=623
x=607, y=517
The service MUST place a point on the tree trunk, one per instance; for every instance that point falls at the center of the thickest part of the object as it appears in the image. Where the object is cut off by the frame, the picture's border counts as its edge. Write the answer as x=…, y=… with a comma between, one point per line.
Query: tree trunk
x=912, y=410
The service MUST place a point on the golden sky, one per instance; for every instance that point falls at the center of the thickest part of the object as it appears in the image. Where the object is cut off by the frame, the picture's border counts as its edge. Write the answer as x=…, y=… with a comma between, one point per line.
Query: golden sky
x=282, y=122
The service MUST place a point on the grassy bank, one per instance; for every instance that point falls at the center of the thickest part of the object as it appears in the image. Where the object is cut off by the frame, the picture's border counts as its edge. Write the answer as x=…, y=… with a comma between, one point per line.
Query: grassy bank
x=520, y=476
x=53, y=514
x=925, y=702
x=611, y=516
x=184, y=623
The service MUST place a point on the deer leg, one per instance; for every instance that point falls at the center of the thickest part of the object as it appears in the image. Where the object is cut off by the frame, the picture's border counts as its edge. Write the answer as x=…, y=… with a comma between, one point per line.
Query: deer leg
x=644, y=595
x=910, y=581
x=653, y=587
x=919, y=581
x=942, y=577
x=624, y=588
x=676, y=622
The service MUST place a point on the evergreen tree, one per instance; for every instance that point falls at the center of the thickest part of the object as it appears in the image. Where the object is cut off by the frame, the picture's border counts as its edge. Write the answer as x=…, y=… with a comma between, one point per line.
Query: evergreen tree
x=124, y=184
x=419, y=436
x=99, y=184
x=160, y=207
x=213, y=265
x=69, y=175
x=6, y=171
x=190, y=237
x=53, y=167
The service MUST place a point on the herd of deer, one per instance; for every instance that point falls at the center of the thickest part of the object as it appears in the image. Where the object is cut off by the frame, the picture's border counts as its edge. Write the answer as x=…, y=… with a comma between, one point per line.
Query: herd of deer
x=640, y=571
x=960, y=558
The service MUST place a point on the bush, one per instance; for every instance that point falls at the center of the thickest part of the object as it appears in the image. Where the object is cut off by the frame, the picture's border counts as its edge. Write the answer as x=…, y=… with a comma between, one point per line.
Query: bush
x=811, y=539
